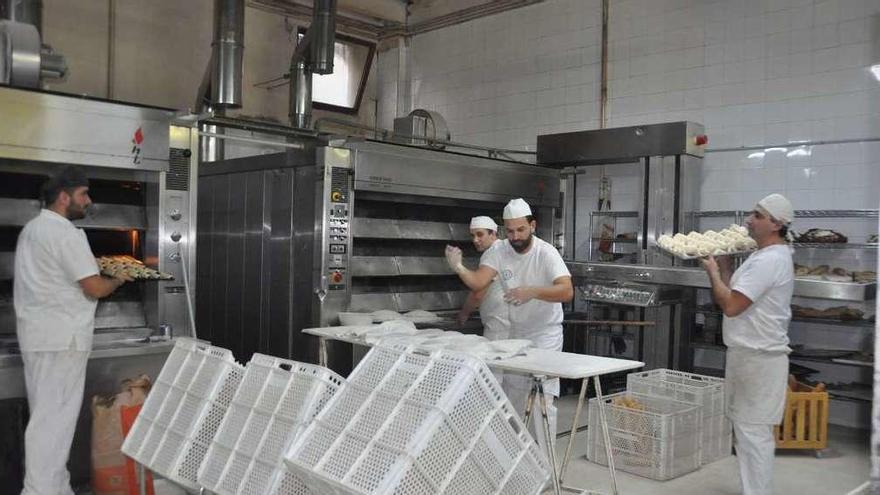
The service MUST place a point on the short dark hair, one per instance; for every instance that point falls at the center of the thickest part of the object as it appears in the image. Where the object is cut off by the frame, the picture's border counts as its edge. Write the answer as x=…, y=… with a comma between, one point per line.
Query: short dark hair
x=67, y=179
x=783, y=231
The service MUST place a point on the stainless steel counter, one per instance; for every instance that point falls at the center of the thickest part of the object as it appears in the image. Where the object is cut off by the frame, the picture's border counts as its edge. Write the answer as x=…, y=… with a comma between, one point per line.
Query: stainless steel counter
x=696, y=277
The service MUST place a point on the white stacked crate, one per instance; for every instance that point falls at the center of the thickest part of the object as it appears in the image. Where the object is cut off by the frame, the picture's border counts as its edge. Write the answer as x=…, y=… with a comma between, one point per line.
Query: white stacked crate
x=659, y=439
x=276, y=401
x=183, y=411
x=717, y=436
x=420, y=424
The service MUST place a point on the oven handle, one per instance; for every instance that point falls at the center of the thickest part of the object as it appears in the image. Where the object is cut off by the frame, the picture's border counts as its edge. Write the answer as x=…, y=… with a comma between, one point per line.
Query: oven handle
x=179, y=256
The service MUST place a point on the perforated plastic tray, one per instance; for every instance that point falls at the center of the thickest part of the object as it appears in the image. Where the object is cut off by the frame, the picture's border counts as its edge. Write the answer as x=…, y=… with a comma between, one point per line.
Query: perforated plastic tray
x=410, y=422
x=708, y=391
x=276, y=401
x=659, y=439
x=181, y=415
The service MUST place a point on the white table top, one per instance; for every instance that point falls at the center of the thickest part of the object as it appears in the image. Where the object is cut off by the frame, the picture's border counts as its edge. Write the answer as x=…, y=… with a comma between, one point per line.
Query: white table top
x=552, y=364
x=564, y=364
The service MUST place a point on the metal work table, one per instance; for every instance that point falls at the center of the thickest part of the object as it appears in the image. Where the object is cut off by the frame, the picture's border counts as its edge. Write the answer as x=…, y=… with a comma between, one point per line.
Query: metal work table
x=541, y=365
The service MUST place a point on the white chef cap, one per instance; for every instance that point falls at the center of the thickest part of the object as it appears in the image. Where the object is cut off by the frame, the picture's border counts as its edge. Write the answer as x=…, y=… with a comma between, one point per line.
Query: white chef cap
x=482, y=222
x=778, y=207
x=516, y=208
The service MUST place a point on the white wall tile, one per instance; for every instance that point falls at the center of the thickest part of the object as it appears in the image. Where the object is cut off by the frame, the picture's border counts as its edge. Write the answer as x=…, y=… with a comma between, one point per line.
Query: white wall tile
x=757, y=73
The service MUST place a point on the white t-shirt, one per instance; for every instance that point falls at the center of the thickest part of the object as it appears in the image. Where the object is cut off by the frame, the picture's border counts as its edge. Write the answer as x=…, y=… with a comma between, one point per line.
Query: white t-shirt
x=52, y=311
x=493, y=310
x=767, y=279
x=537, y=320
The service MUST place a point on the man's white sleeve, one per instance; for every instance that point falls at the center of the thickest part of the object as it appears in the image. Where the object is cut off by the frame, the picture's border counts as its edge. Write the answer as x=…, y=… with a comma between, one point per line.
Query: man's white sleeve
x=555, y=265
x=756, y=279
x=491, y=257
x=77, y=259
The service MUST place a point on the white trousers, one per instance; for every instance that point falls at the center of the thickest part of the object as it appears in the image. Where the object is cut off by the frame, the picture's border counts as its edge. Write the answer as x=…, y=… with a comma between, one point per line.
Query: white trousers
x=517, y=388
x=755, y=449
x=55, y=383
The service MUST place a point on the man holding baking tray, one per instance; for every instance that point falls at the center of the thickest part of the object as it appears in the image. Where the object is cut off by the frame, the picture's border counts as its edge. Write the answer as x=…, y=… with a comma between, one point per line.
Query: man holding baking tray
x=535, y=282
x=756, y=302
x=55, y=291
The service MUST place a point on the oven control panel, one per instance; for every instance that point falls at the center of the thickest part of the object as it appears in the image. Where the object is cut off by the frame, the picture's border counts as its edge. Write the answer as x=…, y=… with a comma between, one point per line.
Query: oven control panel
x=338, y=228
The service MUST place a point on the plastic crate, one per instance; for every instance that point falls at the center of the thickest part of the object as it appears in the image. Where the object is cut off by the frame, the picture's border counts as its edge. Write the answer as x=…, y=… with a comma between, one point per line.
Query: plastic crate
x=276, y=401
x=183, y=411
x=707, y=391
x=659, y=441
x=411, y=422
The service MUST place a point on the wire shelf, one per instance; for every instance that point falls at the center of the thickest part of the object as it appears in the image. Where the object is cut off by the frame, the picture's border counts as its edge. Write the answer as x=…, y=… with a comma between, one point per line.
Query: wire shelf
x=836, y=213
x=615, y=214
x=833, y=245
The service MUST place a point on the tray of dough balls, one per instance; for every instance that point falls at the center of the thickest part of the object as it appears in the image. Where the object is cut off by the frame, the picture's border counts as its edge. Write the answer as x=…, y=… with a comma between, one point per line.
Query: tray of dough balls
x=133, y=267
x=732, y=240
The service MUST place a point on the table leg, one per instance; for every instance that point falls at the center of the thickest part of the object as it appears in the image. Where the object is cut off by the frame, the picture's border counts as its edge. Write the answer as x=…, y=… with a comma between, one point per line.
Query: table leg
x=322, y=351
x=574, y=429
x=551, y=452
x=527, y=416
x=601, y=405
x=142, y=479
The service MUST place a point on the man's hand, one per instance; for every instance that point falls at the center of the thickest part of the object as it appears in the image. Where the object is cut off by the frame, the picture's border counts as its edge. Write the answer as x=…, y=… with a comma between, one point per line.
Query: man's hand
x=710, y=265
x=462, y=318
x=519, y=296
x=453, y=257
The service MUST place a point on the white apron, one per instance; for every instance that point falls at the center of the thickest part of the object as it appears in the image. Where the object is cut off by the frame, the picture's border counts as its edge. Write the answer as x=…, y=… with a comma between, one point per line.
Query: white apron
x=755, y=385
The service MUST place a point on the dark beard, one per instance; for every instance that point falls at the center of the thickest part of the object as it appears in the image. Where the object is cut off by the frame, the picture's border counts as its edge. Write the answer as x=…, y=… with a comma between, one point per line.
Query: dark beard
x=74, y=213
x=523, y=245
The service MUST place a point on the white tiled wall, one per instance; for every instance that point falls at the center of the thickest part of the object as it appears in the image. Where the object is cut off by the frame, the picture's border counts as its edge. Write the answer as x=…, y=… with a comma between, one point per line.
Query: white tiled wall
x=502, y=80
x=764, y=74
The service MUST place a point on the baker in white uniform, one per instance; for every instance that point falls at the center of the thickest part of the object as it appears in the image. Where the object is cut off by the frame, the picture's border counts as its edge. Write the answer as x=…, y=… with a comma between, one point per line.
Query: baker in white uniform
x=536, y=282
x=756, y=301
x=55, y=291
x=493, y=309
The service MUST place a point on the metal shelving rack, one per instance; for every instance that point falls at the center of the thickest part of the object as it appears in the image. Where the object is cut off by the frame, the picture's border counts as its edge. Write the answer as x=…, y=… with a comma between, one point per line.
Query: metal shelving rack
x=614, y=215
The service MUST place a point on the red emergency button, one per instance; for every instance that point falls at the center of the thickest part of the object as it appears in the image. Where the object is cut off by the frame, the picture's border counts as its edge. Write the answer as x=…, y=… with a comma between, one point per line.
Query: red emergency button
x=701, y=139
x=336, y=277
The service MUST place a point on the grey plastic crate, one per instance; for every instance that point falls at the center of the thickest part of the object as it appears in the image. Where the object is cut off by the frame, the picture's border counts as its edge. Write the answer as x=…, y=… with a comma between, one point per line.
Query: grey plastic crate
x=707, y=391
x=660, y=441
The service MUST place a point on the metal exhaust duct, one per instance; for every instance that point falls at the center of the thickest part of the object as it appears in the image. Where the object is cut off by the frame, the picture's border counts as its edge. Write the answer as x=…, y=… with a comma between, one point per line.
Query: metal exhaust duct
x=24, y=59
x=227, y=53
x=324, y=38
x=300, y=95
x=313, y=54
x=25, y=11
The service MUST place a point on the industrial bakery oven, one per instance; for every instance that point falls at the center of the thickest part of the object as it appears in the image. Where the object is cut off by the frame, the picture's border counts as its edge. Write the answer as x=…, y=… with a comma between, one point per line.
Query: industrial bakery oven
x=142, y=185
x=652, y=320
x=140, y=192
x=287, y=241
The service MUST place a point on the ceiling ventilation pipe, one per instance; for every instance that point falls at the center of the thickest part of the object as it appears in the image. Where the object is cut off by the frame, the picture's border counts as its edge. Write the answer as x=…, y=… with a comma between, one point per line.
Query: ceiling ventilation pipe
x=313, y=54
x=227, y=51
x=24, y=59
x=221, y=84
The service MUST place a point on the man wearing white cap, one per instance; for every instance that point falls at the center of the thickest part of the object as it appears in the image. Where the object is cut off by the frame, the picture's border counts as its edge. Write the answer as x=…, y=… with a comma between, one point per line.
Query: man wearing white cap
x=536, y=282
x=493, y=309
x=756, y=301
